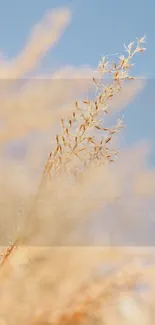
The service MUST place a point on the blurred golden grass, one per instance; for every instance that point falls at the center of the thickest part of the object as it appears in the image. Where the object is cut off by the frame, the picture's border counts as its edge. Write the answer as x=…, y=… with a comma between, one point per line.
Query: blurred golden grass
x=47, y=275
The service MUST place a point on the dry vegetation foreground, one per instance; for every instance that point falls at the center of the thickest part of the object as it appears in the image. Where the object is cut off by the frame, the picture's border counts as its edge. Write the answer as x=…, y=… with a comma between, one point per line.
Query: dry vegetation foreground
x=78, y=285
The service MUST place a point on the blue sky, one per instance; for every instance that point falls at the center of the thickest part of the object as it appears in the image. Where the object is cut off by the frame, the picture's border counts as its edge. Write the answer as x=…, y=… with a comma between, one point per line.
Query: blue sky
x=98, y=27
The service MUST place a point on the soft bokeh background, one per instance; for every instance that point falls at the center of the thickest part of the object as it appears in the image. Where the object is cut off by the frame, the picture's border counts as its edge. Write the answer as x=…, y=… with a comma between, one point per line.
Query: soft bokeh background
x=43, y=69
x=90, y=30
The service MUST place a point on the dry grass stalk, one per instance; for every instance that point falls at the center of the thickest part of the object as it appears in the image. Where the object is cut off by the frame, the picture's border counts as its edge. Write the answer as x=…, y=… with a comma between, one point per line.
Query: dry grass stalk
x=79, y=141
